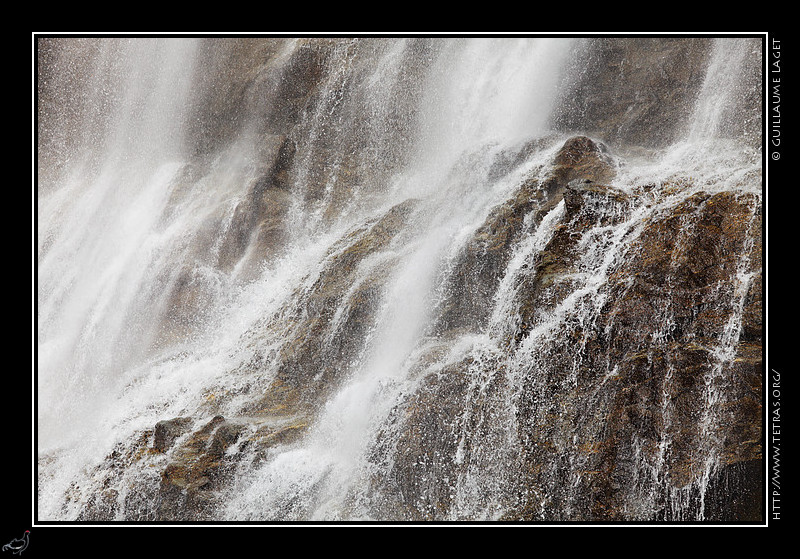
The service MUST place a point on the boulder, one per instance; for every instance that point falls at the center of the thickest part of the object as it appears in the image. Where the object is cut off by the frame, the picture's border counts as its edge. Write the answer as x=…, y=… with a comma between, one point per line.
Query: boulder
x=168, y=430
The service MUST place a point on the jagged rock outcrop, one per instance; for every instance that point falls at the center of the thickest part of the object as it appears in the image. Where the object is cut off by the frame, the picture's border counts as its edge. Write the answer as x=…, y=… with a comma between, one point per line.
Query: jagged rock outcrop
x=657, y=374
x=484, y=259
x=190, y=464
x=613, y=415
x=312, y=361
x=334, y=315
x=168, y=430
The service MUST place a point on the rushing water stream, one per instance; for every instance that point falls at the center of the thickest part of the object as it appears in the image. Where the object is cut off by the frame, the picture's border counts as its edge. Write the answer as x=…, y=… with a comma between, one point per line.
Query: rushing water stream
x=159, y=297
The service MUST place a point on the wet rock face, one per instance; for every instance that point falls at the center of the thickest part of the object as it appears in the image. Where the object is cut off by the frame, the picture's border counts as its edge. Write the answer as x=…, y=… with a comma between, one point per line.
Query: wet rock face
x=640, y=91
x=243, y=84
x=484, y=260
x=196, y=471
x=257, y=231
x=613, y=416
x=421, y=485
x=283, y=97
x=632, y=384
x=636, y=90
x=335, y=315
x=167, y=431
x=612, y=421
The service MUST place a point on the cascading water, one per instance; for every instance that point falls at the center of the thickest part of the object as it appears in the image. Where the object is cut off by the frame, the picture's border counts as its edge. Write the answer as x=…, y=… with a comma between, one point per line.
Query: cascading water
x=389, y=279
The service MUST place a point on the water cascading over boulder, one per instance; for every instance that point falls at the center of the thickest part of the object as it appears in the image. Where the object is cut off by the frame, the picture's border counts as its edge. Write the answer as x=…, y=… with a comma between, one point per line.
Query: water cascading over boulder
x=358, y=313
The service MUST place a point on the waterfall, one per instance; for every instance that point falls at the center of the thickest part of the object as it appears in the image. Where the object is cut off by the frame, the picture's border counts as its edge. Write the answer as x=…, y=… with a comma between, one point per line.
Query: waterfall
x=392, y=279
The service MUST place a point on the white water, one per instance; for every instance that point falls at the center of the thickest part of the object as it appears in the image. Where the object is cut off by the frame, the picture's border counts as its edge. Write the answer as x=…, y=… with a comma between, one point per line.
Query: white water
x=111, y=243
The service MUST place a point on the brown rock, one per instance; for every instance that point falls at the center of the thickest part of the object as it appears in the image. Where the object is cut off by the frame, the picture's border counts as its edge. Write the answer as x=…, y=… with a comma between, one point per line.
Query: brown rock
x=167, y=431
x=635, y=90
x=476, y=276
x=198, y=468
x=644, y=365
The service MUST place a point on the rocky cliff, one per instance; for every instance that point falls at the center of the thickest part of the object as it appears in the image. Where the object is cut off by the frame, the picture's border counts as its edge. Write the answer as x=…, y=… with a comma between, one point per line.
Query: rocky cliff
x=593, y=351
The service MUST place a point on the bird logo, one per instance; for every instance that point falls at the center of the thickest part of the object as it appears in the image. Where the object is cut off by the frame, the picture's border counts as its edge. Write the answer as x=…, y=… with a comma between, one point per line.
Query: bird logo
x=18, y=545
